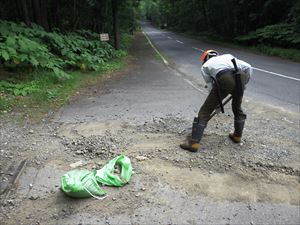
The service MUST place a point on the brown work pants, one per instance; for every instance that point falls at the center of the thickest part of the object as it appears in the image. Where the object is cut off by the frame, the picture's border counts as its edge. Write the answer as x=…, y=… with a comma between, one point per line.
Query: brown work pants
x=227, y=86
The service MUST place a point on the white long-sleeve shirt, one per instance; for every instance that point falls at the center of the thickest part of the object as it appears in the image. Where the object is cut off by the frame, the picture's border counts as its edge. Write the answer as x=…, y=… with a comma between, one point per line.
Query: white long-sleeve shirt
x=222, y=62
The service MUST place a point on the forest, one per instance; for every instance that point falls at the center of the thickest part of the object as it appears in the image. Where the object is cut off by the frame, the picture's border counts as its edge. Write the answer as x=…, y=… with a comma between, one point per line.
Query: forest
x=60, y=35
x=249, y=22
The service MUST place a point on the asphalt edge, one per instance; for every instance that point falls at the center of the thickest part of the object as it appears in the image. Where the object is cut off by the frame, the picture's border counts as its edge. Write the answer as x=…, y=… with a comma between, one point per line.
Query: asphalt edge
x=176, y=72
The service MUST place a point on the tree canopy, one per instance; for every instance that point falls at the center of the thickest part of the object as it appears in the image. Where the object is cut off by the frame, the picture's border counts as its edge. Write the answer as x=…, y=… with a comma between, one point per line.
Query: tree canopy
x=70, y=15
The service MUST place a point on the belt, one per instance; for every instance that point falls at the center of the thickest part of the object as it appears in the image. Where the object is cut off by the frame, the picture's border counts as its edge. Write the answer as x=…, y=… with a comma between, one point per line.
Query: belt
x=220, y=73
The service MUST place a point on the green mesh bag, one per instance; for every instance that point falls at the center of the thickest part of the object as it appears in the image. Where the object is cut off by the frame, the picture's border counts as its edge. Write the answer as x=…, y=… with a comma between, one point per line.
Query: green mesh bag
x=107, y=176
x=81, y=184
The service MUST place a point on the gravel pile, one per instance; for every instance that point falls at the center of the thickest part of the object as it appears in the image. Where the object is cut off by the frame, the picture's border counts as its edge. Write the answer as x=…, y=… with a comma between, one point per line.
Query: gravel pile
x=172, y=125
x=103, y=147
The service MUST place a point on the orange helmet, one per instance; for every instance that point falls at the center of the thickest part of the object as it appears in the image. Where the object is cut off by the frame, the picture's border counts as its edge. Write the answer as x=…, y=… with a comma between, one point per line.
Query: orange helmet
x=208, y=54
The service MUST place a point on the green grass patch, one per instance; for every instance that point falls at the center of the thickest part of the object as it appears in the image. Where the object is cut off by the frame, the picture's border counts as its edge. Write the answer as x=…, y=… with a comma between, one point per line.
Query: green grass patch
x=292, y=54
x=33, y=95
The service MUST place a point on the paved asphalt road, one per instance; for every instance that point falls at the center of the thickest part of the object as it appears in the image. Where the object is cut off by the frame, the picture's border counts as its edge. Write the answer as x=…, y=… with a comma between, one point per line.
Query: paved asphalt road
x=275, y=81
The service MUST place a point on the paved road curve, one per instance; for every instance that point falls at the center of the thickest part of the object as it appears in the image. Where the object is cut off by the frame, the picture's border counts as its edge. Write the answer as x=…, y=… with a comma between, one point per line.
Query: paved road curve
x=275, y=81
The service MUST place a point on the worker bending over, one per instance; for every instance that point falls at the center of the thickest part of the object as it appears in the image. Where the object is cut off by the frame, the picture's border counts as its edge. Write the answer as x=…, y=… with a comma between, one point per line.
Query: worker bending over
x=224, y=75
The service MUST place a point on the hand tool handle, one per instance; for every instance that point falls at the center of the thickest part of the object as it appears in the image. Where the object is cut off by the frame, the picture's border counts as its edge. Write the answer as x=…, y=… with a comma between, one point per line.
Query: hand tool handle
x=215, y=112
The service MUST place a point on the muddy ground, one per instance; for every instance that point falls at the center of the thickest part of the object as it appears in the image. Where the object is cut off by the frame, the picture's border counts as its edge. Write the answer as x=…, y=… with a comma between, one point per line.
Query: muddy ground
x=146, y=118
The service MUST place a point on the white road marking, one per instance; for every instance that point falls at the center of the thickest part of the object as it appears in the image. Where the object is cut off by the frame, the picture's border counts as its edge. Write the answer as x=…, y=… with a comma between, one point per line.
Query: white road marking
x=194, y=86
x=160, y=55
x=276, y=74
x=198, y=49
x=170, y=37
x=167, y=64
x=156, y=32
x=180, y=42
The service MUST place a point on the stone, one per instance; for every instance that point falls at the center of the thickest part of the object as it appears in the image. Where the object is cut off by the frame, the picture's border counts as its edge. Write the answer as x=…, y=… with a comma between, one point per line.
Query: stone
x=141, y=158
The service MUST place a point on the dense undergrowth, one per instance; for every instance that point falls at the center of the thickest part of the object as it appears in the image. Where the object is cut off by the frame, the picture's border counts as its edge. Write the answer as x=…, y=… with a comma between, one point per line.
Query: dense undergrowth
x=281, y=40
x=40, y=69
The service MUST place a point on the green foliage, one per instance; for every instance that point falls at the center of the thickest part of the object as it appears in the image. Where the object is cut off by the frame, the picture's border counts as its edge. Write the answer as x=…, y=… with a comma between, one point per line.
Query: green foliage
x=283, y=35
x=293, y=54
x=3, y=103
x=34, y=48
x=18, y=89
x=43, y=91
x=126, y=40
x=151, y=11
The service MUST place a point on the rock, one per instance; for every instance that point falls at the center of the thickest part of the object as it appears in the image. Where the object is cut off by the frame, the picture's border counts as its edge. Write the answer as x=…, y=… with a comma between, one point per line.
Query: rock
x=76, y=164
x=10, y=202
x=79, y=152
x=31, y=131
x=32, y=197
x=141, y=158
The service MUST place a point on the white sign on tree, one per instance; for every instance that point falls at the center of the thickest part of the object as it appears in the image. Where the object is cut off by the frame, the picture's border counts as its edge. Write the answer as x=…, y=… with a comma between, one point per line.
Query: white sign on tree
x=104, y=37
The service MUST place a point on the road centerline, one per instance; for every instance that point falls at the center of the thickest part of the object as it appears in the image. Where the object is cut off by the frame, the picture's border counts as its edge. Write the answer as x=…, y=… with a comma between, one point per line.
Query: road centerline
x=179, y=42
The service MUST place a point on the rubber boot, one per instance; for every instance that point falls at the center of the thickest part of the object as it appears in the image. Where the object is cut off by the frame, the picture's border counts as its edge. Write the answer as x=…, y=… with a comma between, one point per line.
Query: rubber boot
x=192, y=143
x=236, y=137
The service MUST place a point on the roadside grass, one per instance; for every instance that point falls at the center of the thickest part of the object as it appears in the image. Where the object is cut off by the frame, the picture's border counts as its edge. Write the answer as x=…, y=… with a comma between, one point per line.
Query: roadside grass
x=285, y=53
x=34, y=95
x=291, y=54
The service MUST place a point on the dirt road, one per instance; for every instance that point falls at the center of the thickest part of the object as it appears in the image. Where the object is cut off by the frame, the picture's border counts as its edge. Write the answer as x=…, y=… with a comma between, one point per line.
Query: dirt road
x=144, y=112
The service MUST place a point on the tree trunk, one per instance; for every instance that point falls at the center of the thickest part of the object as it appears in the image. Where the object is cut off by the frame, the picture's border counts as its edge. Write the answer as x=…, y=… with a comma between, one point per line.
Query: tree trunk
x=37, y=12
x=40, y=13
x=18, y=12
x=105, y=26
x=25, y=13
x=204, y=11
x=75, y=17
x=44, y=14
x=55, y=14
x=116, y=24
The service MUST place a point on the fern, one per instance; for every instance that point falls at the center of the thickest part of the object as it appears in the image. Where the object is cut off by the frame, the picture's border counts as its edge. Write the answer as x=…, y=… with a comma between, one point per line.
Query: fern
x=33, y=47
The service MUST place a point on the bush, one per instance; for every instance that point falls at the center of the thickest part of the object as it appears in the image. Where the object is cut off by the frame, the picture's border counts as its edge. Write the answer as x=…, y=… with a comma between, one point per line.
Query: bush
x=280, y=35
